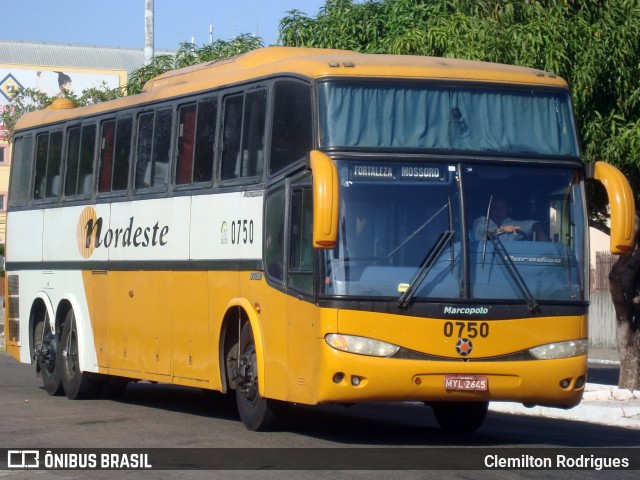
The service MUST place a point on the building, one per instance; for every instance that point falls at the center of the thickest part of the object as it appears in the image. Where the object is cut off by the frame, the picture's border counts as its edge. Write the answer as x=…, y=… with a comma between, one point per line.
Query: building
x=51, y=67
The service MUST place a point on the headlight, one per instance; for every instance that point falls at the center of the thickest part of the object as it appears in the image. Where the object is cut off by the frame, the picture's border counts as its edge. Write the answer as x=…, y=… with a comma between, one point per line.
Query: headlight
x=571, y=348
x=361, y=345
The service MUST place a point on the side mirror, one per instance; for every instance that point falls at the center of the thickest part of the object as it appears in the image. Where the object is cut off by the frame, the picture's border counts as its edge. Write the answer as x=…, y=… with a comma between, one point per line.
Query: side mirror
x=325, y=200
x=621, y=203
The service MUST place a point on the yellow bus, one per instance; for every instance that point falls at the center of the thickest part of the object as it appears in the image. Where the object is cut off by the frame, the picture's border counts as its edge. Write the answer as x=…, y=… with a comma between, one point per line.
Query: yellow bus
x=311, y=226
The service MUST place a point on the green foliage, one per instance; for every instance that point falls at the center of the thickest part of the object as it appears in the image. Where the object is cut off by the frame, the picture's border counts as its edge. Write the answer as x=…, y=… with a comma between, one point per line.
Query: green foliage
x=593, y=44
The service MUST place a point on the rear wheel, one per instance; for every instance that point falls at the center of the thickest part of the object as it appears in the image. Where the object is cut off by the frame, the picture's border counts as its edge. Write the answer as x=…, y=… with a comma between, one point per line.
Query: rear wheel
x=462, y=417
x=46, y=353
x=256, y=412
x=76, y=384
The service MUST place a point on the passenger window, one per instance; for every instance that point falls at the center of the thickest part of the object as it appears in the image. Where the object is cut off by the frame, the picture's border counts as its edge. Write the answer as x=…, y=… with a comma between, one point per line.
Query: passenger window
x=205, y=140
x=115, y=154
x=291, y=136
x=79, y=160
x=196, y=142
x=186, y=141
x=48, y=160
x=122, y=154
x=21, y=171
x=107, y=142
x=154, y=143
x=244, y=135
x=231, y=135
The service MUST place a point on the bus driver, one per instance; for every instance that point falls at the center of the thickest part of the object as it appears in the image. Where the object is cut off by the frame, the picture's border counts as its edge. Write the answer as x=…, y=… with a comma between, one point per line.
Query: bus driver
x=504, y=226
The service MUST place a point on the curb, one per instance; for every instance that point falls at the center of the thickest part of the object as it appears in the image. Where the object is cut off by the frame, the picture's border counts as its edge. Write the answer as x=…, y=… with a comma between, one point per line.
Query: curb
x=601, y=404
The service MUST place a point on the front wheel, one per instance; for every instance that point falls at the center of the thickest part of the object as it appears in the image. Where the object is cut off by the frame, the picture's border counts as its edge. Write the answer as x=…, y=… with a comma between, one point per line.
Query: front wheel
x=255, y=411
x=76, y=384
x=460, y=417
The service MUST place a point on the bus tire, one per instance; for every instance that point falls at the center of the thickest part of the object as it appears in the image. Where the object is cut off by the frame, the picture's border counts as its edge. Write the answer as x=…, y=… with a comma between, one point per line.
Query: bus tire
x=460, y=417
x=255, y=411
x=77, y=385
x=47, y=354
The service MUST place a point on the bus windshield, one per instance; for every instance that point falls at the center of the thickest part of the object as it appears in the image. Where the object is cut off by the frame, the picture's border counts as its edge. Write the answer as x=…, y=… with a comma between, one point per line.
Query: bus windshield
x=427, y=116
x=519, y=234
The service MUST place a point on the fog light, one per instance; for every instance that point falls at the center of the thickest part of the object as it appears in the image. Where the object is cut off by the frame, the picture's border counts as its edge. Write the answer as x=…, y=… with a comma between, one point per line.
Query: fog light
x=338, y=377
x=579, y=382
x=565, y=383
x=355, y=381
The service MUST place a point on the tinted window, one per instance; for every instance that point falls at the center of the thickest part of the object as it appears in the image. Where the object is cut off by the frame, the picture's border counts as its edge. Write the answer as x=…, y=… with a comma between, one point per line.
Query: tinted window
x=186, y=142
x=274, y=234
x=205, y=140
x=244, y=135
x=115, y=154
x=154, y=144
x=21, y=171
x=291, y=134
x=48, y=159
x=79, y=158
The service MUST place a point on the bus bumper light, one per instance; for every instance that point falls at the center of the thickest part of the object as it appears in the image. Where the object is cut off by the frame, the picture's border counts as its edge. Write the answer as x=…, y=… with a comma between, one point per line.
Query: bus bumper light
x=571, y=348
x=361, y=345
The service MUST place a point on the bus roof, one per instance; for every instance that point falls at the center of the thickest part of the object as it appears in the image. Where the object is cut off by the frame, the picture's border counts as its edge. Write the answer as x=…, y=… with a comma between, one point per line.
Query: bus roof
x=308, y=62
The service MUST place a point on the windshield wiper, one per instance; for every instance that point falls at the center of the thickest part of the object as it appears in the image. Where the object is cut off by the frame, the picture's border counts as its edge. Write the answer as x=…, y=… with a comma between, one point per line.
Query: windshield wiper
x=500, y=249
x=425, y=267
x=419, y=229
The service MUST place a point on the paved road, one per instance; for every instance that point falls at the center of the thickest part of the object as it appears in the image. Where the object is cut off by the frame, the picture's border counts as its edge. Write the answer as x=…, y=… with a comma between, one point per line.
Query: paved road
x=152, y=416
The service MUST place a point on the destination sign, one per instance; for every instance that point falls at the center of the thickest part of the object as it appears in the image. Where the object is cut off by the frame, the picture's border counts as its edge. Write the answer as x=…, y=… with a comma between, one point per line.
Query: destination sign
x=399, y=173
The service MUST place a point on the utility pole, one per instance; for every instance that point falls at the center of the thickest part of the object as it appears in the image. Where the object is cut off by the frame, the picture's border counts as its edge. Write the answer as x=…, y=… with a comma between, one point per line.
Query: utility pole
x=148, y=31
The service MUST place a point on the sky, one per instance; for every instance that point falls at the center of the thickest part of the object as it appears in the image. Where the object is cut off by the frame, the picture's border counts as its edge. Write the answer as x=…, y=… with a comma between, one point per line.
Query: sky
x=120, y=23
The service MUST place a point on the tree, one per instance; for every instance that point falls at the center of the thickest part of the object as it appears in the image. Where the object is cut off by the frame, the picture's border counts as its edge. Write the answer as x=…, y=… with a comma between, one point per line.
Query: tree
x=593, y=44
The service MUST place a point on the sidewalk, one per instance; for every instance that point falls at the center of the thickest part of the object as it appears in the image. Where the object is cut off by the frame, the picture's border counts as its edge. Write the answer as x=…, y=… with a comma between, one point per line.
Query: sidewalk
x=601, y=404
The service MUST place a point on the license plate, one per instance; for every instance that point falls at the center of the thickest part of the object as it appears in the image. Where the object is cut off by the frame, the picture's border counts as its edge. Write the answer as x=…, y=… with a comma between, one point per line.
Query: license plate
x=474, y=383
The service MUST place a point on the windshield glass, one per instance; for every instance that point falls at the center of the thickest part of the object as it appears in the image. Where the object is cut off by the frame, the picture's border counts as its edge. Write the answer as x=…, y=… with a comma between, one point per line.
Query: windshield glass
x=404, y=233
x=427, y=116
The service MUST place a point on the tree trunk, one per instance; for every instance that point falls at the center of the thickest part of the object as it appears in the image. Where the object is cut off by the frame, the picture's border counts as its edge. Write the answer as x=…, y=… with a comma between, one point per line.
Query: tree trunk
x=624, y=284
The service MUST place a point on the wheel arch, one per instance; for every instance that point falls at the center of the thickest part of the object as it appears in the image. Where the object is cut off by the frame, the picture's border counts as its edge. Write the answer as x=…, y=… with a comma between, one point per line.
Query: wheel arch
x=83, y=329
x=242, y=311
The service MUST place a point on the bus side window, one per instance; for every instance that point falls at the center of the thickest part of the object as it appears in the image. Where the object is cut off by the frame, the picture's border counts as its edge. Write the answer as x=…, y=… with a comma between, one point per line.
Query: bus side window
x=21, y=171
x=107, y=140
x=79, y=160
x=161, y=148
x=205, y=140
x=122, y=154
x=154, y=143
x=244, y=135
x=292, y=130
x=48, y=161
x=87, y=152
x=72, y=159
x=231, y=135
x=143, y=152
x=255, y=114
x=186, y=138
